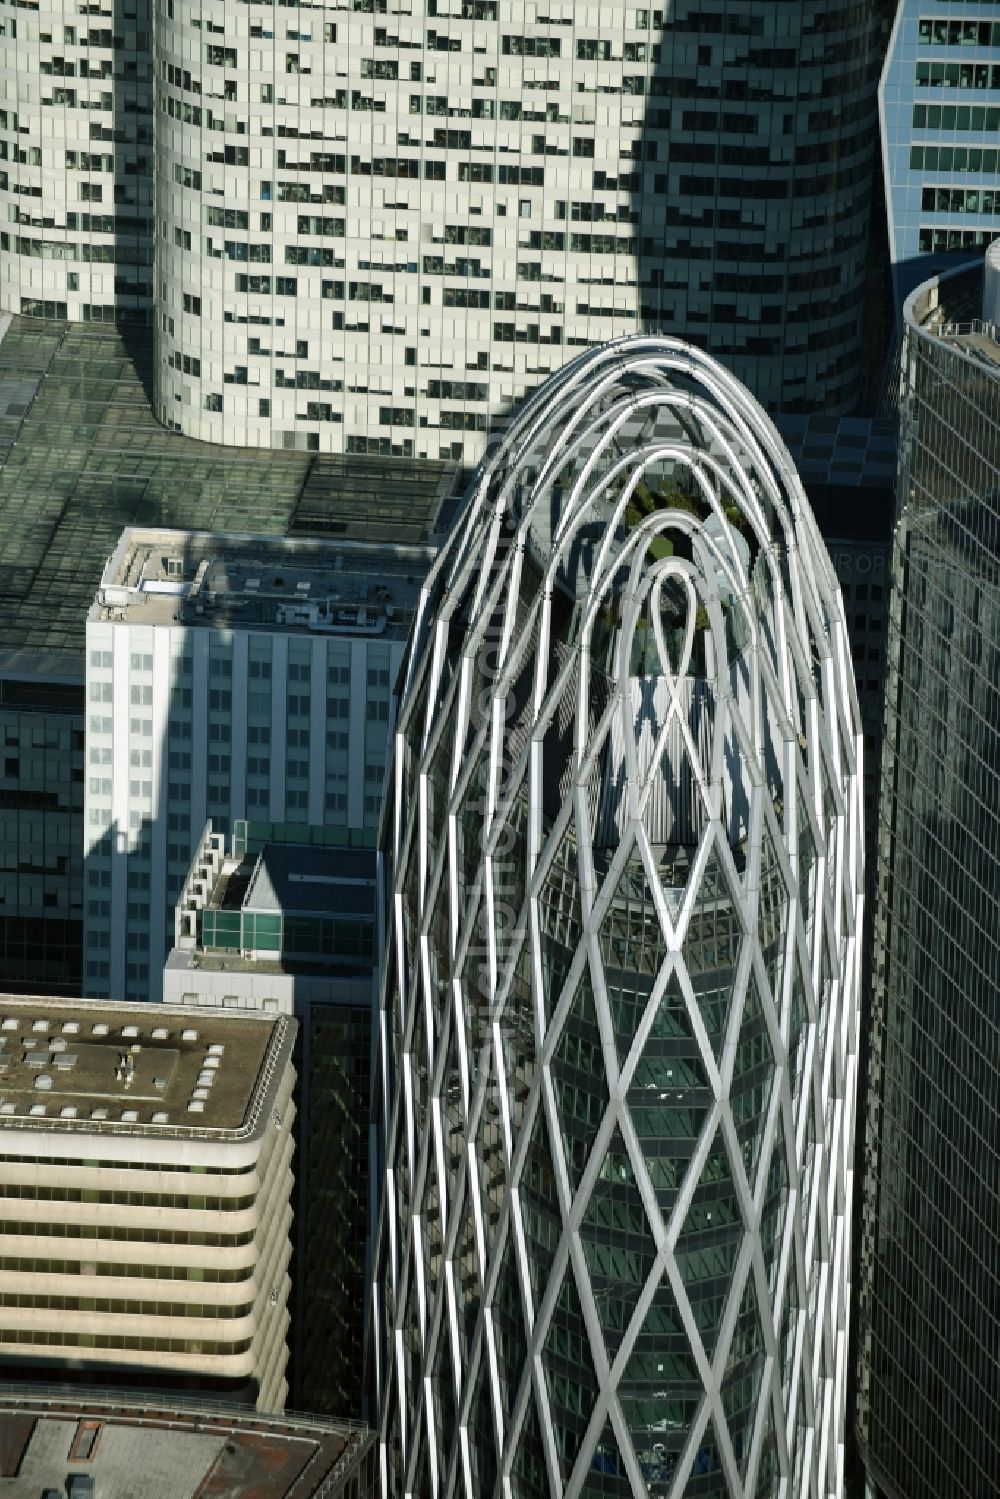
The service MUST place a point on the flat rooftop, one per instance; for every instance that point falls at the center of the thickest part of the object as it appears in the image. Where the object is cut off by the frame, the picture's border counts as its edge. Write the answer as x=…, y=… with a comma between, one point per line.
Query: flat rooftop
x=312, y=881
x=82, y=457
x=274, y=906
x=308, y=889
x=157, y=1067
x=197, y=1452
x=158, y=577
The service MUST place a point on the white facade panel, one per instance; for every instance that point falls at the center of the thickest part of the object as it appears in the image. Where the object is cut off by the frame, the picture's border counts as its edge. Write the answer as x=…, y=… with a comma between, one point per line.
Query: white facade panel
x=139, y=1238
x=355, y=233
x=190, y=718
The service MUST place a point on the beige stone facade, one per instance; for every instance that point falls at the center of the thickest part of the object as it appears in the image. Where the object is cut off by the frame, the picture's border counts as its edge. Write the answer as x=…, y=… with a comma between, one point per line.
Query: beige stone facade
x=145, y=1195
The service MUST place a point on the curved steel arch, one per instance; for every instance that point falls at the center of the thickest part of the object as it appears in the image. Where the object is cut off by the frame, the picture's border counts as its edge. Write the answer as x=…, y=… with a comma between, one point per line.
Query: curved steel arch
x=619, y=1008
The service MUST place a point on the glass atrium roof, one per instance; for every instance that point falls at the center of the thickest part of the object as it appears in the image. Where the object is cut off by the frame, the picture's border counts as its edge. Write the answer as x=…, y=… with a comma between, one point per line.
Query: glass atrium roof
x=82, y=457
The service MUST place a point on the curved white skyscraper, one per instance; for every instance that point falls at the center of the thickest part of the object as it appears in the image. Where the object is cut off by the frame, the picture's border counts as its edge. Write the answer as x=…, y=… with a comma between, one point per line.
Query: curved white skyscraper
x=377, y=227
x=619, y=1013
x=76, y=160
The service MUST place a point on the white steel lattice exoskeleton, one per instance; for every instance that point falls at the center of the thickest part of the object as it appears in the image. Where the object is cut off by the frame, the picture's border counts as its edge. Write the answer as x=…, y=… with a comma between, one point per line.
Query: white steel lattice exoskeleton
x=623, y=844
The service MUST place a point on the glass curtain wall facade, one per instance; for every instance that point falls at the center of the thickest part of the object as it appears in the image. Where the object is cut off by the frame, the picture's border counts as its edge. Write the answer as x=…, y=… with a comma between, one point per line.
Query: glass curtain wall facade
x=41, y=844
x=378, y=227
x=624, y=853
x=929, y=1408
x=939, y=104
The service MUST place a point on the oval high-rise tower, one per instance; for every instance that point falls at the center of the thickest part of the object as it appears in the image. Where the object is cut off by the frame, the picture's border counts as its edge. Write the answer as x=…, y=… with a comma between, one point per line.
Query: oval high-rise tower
x=624, y=845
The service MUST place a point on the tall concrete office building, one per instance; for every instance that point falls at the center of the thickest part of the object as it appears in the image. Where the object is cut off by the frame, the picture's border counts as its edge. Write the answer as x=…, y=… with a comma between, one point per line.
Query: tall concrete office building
x=371, y=229
x=226, y=677
x=289, y=926
x=620, y=1002
x=928, y=1402
x=939, y=104
x=145, y=1198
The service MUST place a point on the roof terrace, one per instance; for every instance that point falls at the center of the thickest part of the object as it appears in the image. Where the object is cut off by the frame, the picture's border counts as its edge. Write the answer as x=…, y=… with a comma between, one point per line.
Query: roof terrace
x=950, y=306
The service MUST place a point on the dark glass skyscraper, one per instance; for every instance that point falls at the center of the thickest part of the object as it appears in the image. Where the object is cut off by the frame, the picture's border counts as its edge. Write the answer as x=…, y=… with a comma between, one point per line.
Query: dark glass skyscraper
x=620, y=1005
x=758, y=157
x=929, y=1318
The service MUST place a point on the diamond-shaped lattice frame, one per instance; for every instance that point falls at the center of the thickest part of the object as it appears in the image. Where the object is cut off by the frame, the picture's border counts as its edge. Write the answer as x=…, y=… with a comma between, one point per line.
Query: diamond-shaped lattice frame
x=622, y=850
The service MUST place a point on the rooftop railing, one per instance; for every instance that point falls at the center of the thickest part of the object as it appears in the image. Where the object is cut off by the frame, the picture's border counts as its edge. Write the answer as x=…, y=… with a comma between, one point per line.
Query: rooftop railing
x=259, y=1099
x=985, y=333
x=82, y=1400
